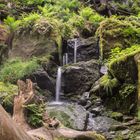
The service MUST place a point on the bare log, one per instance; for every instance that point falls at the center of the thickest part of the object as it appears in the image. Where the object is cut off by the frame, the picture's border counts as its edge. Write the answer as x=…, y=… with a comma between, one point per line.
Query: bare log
x=9, y=130
x=24, y=97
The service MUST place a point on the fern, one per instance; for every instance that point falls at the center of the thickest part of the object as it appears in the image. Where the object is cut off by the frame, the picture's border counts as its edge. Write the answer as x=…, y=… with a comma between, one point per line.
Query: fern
x=108, y=83
x=11, y=23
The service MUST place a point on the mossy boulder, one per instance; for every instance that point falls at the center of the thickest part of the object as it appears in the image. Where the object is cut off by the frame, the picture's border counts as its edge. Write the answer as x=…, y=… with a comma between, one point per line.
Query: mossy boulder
x=69, y=115
x=15, y=69
x=123, y=67
x=29, y=46
x=118, y=32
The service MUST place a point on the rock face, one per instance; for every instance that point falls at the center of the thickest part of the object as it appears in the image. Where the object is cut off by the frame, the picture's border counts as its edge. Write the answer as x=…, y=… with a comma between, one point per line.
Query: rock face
x=87, y=49
x=79, y=77
x=29, y=46
x=43, y=80
x=70, y=115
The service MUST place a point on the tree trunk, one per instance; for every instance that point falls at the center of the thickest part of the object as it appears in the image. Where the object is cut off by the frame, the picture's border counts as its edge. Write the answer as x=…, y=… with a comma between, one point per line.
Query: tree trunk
x=9, y=129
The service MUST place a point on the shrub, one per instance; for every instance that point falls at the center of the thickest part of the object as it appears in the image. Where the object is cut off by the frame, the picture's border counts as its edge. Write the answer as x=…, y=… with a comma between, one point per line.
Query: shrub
x=11, y=23
x=35, y=114
x=108, y=83
x=15, y=69
x=7, y=91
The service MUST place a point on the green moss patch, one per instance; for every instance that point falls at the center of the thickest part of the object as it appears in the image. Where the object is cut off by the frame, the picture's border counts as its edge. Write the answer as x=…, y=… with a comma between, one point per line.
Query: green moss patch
x=114, y=32
x=7, y=92
x=16, y=69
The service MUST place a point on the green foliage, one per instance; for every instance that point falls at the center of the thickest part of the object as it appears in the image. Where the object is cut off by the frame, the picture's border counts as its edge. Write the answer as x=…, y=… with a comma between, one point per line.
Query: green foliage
x=35, y=114
x=15, y=69
x=118, y=52
x=90, y=15
x=28, y=2
x=7, y=91
x=11, y=23
x=57, y=18
x=108, y=83
x=124, y=31
x=126, y=90
x=27, y=22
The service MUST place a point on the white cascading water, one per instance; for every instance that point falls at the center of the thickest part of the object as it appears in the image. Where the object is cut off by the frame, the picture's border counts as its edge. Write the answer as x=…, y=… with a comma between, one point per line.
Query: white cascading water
x=65, y=59
x=75, y=51
x=58, y=84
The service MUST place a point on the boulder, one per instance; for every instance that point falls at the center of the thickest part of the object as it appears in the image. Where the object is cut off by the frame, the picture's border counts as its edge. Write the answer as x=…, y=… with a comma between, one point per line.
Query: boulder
x=115, y=32
x=87, y=49
x=43, y=80
x=79, y=77
x=32, y=46
x=101, y=123
x=70, y=115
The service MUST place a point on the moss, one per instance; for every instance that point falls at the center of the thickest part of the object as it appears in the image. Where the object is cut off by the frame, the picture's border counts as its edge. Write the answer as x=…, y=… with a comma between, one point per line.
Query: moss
x=16, y=69
x=108, y=83
x=123, y=100
x=117, y=116
x=63, y=117
x=123, y=31
x=35, y=114
x=123, y=65
x=7, y=92
x=126, y=90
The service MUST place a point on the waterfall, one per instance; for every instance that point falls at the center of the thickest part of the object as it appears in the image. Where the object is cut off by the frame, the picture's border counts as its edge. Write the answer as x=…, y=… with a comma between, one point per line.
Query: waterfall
x=58, y=84
x=75, y=51
x=65, y=59
x=66, y=55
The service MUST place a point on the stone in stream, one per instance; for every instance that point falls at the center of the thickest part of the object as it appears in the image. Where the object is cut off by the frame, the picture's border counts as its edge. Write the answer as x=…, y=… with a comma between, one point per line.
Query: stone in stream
x=78, y=78
x=100, y=124
x=70, y=115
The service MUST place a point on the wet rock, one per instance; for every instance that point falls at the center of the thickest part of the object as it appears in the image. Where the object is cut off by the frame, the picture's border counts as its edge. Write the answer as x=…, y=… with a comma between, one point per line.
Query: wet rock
x=43, y=80
x=97, y=110
x=70, y=115
x=117, y=116
x=100, y=124
x=87, y=49
x=127, y=118
x=79, y=77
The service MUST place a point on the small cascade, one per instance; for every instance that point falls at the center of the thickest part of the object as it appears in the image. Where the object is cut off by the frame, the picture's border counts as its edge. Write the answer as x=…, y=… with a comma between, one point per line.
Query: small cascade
x=65, y=59
x=75, y=51
x=58, y=84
